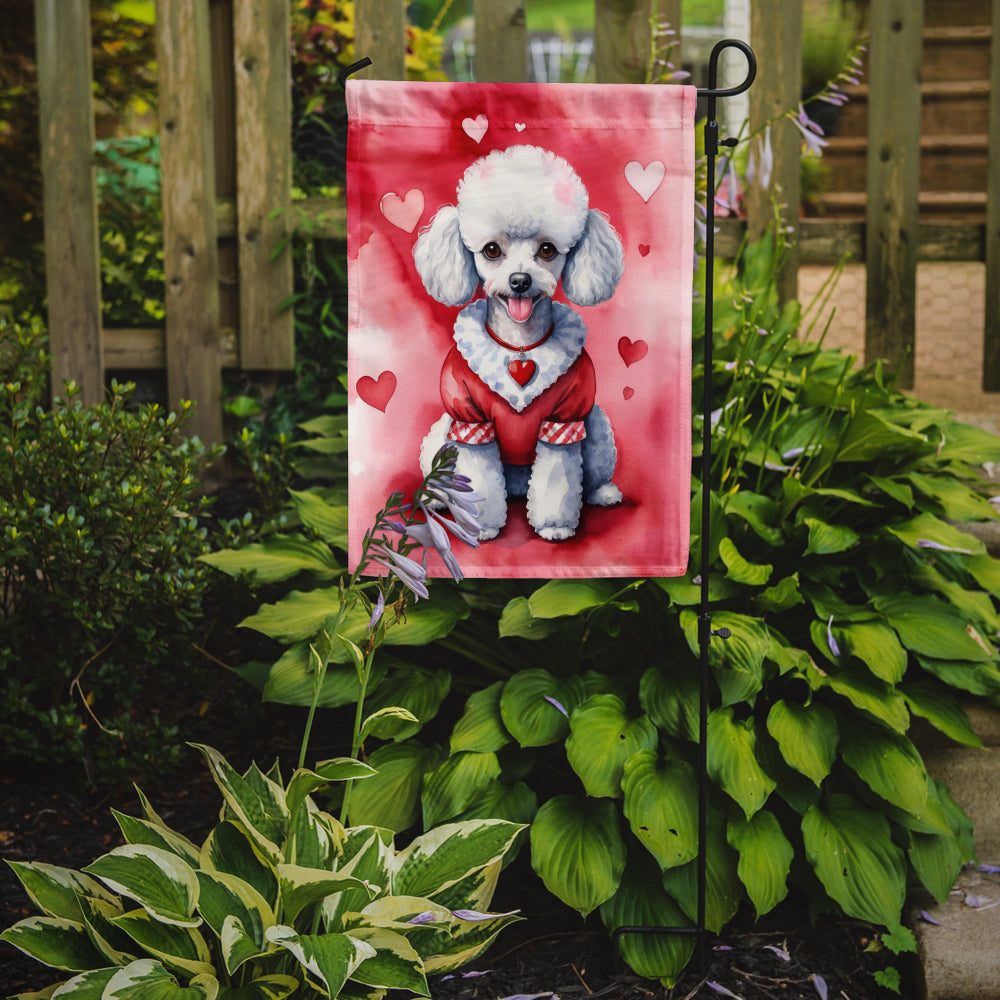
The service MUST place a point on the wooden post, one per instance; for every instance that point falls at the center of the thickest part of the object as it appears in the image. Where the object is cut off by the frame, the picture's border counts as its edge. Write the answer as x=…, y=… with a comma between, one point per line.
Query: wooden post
x=991, y=333
x=893, y=184
x=622, y=40
x=501, y=41
x=776, y=35
x=190, y=254
x=72, y=255
x=262, y=61
x=380, y=34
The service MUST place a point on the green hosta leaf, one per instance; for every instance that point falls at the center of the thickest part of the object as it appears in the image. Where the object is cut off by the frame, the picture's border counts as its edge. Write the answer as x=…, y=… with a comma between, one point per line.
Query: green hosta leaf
x=387, y=723
x=260, y=809
x=279, y=558
x=578, y=851
x=932, y=628
x=417, y=690
x=516, y=803
x=304, y=782
x=327, y=520
x=530, y=706
x=957, y=501
x=807, y=736
x=941, y=709
x=850, y=847
x=226, y=898
x=765, y=858
x=301, y=887
x=732, y=760
x=876, y=646
x=159, y=881
x=481, y=728
x=147, y=979
x=661, y=799
x=641, y=901
x=937, y=860
x=739, y=569
x=292, y=681
x=141, y=831
x=893, y=488
x=975, y=605
x=828, y=539
x=230, y=849
x=888, y=763
x=180, y=948
x=758, y=511
x=438, y=859
x=517, y=620
x=965, y=443
x=783, y=595
x=456, y=784
x=866, y=692
x=723, y=889
x=738, y=661
x=395, y=964
x=559, y=598
x=870, y=435
x=976, y=678
x=56, y=891
x=986, y=571
x=391, y=798
x=684, y=593
x=671, y=700
x=602, y=738
x=330, y=959
x=54, y=941
x=928, y=528
x=275, y=987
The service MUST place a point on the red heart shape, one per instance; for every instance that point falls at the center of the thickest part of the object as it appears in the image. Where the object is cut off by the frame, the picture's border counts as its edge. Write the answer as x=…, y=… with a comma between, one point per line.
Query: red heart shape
x=632, y=352
x=643, y=249
x=377, y=393
x=521, y=372
x=628, y=392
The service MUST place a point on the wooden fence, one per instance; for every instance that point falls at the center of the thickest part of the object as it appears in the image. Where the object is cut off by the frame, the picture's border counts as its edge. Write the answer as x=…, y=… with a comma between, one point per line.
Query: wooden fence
x=226, y=161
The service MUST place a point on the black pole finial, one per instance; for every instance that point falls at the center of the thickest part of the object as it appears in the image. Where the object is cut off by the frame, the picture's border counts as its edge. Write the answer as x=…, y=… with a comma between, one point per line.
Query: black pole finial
x=352, y=68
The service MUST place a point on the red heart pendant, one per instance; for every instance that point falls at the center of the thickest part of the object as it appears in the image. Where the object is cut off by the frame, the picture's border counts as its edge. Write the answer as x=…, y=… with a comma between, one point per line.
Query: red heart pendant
x=522, y=372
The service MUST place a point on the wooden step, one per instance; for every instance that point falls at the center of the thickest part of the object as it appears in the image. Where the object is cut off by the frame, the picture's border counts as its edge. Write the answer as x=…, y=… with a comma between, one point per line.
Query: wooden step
x=956, y=53
x=957, y=206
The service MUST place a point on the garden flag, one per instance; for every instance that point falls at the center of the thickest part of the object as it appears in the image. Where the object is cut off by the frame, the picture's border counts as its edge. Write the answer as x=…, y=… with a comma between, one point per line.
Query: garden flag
x=520, y=277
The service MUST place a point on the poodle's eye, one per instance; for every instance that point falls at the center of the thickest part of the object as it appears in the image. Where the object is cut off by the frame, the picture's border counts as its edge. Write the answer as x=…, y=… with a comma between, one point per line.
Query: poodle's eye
x=492, y=251
x=547, y=250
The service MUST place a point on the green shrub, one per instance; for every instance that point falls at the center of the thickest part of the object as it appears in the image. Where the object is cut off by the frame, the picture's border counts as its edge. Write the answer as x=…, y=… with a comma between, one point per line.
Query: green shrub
x=99, y=541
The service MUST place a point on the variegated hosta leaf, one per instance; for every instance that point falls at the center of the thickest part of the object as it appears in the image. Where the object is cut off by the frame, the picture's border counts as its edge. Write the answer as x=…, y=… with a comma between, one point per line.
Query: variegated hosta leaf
x=147, y=979
x=807, y=736
x=765, y=858
x=391, y=799
x=888, y=763
x=256, y=801
x=578, y=851
x=476, y=890
x=54, y=941
x=225, y=897
x=301, y=887
x=535, y=706
x=141, y=831
x=602, y=737
x=274, y=987
x=230, y=849
x=481, y=727
x=315, y=838
x=661, y=805
x=304, y=782
x=367, y=853
x=467, y=940
x=329, y=959
x=441, y=857
x=177, y=947
x=850, y=847
x=732, y=760
x=456, y=784
x=158, y=880
x=116, y=947
x=86, y=986
x=56, y=891
x=395, y=964
x=642, y=902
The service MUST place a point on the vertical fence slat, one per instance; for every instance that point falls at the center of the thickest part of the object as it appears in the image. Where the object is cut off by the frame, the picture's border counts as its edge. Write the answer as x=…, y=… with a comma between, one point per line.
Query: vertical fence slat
x=892, y=214
x=380, y=34
x=991, y=333
x=669, y=11
x=621, y=40
x=261, y=57
x=501, y=41
x=190, y=253
x=72, y=256
x=776, y=34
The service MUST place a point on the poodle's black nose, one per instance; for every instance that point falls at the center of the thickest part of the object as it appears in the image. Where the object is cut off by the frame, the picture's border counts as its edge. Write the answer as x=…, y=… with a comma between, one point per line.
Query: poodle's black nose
x=519, y=282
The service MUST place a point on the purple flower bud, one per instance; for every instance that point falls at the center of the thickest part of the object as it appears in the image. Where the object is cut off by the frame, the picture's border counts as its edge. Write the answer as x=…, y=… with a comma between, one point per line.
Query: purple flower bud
x=552, y=701
x=834, y=648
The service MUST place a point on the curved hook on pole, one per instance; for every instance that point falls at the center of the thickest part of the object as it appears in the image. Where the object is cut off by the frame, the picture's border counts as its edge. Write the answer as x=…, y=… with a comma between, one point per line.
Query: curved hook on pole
x=712, y=90
x=353, y=68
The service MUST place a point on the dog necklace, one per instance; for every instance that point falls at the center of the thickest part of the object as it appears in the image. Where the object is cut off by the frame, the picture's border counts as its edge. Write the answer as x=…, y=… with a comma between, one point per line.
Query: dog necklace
x=521, y=370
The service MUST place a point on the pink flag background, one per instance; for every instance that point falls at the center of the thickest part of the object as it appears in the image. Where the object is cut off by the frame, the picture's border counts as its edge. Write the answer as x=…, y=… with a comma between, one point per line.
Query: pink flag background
x=633, y=148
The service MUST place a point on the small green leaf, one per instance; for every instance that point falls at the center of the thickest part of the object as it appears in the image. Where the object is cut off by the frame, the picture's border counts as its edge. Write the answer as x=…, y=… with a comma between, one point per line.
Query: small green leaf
x=279, y=558
x=807, y=736
x=732, y=760
x=765, y=858
x=828, y=539
x=481, y=727
x=559, y=598
x=739, y=569
x=328, y=521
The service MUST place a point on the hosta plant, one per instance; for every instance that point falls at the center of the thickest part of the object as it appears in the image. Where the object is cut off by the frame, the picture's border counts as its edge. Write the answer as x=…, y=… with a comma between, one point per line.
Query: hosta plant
x=279, y=900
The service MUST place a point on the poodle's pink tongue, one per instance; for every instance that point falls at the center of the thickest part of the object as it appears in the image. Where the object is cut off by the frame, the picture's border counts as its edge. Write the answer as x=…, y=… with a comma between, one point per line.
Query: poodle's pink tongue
x=519, y=308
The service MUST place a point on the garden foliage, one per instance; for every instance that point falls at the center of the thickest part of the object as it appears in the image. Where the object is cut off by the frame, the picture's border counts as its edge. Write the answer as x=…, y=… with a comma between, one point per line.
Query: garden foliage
x=854, y=604
x=280, y=899
x=99, y=546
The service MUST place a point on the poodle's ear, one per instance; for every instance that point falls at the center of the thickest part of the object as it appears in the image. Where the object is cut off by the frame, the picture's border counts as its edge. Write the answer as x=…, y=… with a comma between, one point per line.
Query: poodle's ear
x=596, y=264
x=447, y=268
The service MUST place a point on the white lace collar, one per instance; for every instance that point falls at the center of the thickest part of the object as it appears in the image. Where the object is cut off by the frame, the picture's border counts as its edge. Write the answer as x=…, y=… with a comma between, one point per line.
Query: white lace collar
x=490, y=359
